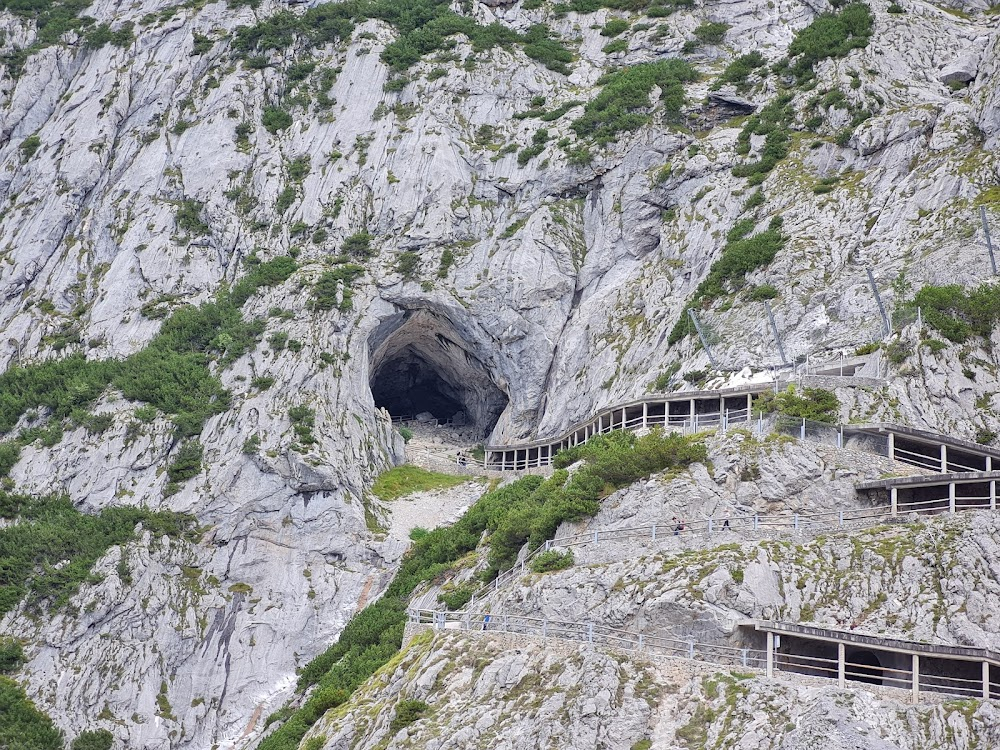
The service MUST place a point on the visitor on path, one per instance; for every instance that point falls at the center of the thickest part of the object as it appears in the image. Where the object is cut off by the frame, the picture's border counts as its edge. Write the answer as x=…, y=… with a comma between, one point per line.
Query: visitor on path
x=725, y=524
x=677, y=525
x=486, y=622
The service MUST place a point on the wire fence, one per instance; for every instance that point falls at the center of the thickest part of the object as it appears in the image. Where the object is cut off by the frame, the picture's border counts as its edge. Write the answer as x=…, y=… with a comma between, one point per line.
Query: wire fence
x=590, y=633
x=869, y=671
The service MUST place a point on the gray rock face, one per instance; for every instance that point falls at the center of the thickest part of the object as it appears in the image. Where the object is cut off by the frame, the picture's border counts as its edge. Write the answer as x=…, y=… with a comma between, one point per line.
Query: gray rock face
x=564, y=280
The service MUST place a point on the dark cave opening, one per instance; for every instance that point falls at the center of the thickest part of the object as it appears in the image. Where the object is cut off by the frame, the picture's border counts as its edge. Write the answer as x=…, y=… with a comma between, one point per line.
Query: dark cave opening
x=409, y=386
x=421, y=364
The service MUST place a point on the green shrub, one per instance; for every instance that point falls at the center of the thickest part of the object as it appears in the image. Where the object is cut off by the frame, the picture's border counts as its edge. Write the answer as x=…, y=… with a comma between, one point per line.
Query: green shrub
x=407, y=264
x=830, y=35
x=406, y=433
x=623, y=103
x=324, y=293
x=618, y=45
x=11, y=655
x=188, y=217
x=740, y=69
x=815, y=404
x=10, y=453
x=23, y=726
x=763, y=292
x=358, y=245
x=407, y=712
x=29, y=146
x=552, y=560
x=275, y=119
x=187, y=462
x=868, y=348
x=614, y=27
x=957, y=313
x=711, y=32
x=100, y=739
x=303, y=420
x=446, y=262
x=457, y=597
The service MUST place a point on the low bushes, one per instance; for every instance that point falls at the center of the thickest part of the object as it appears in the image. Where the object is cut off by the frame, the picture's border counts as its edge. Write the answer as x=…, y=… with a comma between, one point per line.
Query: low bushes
x=957, y=313
x=623, y=103
x=50, y=531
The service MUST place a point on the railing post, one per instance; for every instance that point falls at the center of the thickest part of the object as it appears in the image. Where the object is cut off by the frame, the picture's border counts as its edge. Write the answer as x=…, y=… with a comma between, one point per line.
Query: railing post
x=993, y=494
x=506, y=623
x=986, y=680
x=545, y=628
x=596, y=535
x=841, y=667
x=691, y=650
x=645, y=414
x=654, y=532
x=893, y=501
x=892, y=446
x=841, y=514
x=590, y=632
x=944, y=458
x=756, y=521
x=916, y=678
x=641, y=641
x=802, y=430
x=743, y=654
x=548, y=544
x=840, y=437
x=951, y=497
x=769, y=664
x=709, y=525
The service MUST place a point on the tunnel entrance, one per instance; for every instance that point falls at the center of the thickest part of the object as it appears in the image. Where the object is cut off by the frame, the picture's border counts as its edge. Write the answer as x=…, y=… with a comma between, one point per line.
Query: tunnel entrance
x=421, y=365
x=863, y=666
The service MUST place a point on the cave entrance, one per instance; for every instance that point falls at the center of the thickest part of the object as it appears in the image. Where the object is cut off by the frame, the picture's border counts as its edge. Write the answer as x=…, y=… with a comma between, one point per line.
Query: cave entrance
x=420, y=365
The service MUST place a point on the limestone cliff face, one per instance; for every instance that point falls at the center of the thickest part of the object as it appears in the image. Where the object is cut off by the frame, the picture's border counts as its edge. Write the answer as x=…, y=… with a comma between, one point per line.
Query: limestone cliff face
x=542, y=288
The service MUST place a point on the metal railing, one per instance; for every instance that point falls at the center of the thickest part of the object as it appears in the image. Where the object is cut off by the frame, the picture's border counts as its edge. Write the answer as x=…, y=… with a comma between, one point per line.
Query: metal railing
x=590, y=633
x=680, y=423
x=712, y=653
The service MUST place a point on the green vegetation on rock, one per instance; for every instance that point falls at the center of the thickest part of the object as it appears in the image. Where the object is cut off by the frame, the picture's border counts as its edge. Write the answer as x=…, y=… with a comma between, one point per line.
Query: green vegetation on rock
x=957, y=313
x=52, y=547
x=172, y=373
x=423, y=27
x=623, y=103
x=830, y=35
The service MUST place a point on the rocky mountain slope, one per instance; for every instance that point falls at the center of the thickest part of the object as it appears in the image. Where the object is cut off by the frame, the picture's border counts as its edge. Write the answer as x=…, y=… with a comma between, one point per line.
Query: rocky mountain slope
x=508, y=205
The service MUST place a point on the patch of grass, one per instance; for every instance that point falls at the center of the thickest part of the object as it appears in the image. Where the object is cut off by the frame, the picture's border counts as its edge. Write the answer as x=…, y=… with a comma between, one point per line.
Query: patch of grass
x=407, y=479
